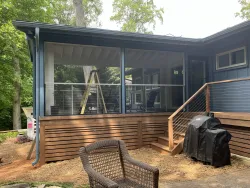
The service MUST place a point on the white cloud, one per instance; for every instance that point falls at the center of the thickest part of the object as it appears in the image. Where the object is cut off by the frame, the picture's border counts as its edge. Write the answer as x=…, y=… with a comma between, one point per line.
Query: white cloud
x=187, y=18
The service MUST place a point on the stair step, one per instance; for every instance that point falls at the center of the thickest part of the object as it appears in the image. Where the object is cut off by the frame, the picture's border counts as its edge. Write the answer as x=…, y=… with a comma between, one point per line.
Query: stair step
x=164, y=141
x=160, y=148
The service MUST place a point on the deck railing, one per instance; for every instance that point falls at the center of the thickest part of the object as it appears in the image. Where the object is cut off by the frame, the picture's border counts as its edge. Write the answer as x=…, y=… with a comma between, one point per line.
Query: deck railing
x=65, y=98
x=224, y=96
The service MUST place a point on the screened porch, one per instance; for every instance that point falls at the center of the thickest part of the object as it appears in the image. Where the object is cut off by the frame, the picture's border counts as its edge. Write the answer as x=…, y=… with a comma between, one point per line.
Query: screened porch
x=149, y=81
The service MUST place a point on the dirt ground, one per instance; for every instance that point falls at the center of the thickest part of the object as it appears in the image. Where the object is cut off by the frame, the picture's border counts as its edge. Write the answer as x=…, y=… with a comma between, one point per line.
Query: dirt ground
x=172, y=168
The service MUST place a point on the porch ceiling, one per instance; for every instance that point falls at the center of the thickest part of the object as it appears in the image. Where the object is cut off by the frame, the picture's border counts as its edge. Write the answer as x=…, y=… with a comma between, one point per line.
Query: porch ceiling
x=99, y=56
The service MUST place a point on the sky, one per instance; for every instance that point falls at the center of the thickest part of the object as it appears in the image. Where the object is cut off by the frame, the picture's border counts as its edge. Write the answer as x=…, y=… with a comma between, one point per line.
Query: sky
x=187, y=18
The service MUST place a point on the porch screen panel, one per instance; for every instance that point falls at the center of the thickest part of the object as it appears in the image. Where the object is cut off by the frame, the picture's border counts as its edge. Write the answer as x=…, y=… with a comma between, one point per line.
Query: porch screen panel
x=154, y=80
x=68, y=72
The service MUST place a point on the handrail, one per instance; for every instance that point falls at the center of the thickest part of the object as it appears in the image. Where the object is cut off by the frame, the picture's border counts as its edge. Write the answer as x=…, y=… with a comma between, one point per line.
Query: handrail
x=227, y=81
x=206, y=84
x=188, y=101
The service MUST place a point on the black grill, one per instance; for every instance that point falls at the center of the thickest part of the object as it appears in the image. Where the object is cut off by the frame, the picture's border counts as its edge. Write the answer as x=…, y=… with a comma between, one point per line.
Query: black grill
x=206, y=141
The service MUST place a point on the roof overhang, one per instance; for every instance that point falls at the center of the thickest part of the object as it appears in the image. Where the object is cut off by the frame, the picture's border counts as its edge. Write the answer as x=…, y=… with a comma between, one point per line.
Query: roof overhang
x=29, y=29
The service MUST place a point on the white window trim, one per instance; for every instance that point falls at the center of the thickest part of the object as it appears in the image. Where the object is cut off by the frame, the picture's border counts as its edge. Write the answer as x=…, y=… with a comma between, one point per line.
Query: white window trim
x=230, y=58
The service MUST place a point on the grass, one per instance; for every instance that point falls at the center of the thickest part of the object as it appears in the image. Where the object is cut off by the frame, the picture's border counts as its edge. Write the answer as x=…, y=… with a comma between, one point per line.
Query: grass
x=47, y=184
x=4, y=136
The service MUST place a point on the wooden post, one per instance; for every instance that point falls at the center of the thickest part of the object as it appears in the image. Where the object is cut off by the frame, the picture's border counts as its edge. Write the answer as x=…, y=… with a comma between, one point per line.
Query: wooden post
x=42, y=143
x=140, y=141
x=171, y=133
x=208, y=99
x=31, y=149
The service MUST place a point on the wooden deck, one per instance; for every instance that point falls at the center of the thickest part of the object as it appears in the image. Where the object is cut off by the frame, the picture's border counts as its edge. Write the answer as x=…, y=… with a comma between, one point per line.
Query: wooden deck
x=62, y=136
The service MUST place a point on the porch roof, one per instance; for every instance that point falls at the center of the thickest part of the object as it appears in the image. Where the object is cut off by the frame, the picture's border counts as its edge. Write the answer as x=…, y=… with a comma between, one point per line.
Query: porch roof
x=29, y=28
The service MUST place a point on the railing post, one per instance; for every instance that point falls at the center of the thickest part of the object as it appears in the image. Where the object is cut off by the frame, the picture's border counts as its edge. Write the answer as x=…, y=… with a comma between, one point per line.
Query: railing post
x=208, y=99
x=170, y=134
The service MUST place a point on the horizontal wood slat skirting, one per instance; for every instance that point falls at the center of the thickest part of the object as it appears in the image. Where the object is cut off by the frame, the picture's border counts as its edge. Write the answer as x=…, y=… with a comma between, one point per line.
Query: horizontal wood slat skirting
x=238, y=124
x=240, y=142
x=62, y=136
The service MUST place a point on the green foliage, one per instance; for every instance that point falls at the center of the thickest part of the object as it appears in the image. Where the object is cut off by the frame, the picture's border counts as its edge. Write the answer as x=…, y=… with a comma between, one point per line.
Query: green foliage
x=4, y=136
x=136, y=15
x=245, y=9
x=110, y=75
x=13, y=45
x=69, y=74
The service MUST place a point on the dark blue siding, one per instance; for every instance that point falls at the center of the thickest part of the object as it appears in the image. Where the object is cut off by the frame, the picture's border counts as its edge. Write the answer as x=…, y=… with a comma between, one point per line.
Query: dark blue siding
x=235, y=96
x=231, y=97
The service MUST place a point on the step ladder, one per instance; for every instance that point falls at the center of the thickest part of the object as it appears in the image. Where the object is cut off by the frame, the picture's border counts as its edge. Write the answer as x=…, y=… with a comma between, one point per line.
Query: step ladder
x=92, y=77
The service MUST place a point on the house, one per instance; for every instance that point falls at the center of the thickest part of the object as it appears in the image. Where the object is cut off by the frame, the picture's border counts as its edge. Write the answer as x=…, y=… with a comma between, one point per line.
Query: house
x=148, y=86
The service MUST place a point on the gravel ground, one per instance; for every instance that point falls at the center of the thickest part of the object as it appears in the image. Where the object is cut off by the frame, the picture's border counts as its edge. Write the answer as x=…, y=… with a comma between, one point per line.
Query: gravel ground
x=172, y=168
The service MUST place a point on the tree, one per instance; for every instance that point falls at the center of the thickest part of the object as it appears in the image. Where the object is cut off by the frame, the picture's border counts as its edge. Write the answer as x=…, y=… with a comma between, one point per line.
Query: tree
x=245, y=9
x=136, y=15
x=87, y=12
x=14, y=57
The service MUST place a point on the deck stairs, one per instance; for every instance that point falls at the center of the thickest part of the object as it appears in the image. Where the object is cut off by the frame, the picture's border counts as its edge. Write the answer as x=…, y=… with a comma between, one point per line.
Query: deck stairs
x=162, y=145
x=172, y=142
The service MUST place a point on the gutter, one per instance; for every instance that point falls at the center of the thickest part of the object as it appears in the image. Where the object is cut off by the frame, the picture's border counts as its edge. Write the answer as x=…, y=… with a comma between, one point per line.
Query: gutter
x=37, y=30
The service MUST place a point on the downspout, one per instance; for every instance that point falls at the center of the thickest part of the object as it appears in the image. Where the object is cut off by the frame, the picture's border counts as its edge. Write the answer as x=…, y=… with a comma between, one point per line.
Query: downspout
x=37, y=97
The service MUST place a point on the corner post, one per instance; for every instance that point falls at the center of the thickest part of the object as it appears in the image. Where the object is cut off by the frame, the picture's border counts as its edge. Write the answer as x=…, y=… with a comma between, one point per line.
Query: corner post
x=171, y=133
x=123, y=86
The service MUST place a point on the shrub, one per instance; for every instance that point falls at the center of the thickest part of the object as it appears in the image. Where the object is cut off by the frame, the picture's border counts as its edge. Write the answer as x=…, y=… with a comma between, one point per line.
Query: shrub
x=22, y=139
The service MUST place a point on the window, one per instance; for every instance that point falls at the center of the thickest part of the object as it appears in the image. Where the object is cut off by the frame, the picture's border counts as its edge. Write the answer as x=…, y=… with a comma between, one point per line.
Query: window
x=231, y=58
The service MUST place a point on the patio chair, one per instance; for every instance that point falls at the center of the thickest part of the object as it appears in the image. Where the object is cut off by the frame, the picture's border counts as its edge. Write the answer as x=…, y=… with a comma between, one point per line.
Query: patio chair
x=108, y=164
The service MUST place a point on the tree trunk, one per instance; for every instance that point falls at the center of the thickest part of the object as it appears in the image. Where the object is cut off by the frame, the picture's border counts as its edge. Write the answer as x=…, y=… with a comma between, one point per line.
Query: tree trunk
x=80, y=21
x=17, y=97
x=79, y=13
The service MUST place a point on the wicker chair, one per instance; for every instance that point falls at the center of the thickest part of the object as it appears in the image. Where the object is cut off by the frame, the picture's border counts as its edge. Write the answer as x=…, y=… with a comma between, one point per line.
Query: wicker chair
x=108, y=164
